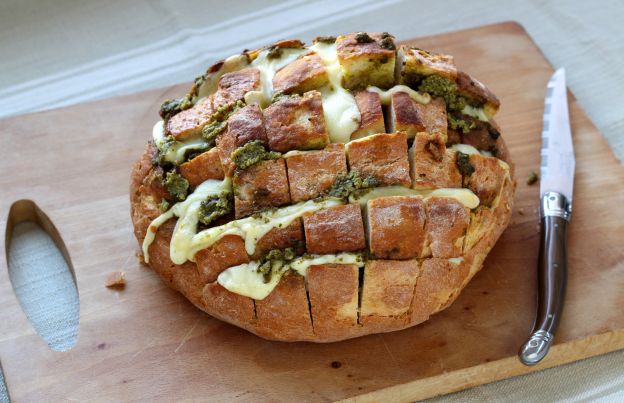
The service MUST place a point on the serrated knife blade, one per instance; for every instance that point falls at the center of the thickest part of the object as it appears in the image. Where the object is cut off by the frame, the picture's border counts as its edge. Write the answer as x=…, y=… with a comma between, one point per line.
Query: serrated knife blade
x=557, y=166
x=557, y=171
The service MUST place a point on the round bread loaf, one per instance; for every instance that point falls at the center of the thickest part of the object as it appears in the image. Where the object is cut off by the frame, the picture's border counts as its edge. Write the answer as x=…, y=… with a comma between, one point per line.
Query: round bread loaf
x=324, y=192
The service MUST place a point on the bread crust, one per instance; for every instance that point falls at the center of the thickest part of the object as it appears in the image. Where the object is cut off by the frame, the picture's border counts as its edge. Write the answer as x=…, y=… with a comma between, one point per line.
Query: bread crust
x=437, y=285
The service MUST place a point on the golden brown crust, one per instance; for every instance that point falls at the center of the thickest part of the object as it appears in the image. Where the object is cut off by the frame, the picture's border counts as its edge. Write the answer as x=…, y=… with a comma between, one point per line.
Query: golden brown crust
x=335, y=229
x=206, y=165
x=260, y=186
x=371, y=114
x=396, y=227
x=312, y=173
x=296, y=123
x=413, y=117
x=383, y=156
x=304, y=74
x=432, y=164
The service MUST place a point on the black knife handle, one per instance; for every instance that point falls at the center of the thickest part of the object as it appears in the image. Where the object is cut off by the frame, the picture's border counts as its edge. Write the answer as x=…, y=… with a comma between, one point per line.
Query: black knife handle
x=552, y=277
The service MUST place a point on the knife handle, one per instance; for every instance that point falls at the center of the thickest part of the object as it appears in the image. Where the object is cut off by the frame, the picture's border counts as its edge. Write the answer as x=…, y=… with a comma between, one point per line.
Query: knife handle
x=552, y=277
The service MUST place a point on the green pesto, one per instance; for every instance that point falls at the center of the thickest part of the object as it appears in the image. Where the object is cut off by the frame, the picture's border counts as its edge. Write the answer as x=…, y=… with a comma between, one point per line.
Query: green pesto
x=211, y=131
x=223, y=112
x=533, y=178
x=347, y=184
x=325, y=39
x=274, y=52
x=252, y=153
x=173, y=106
x=457, y=123
x=163, y=206
x=274, y=258
x=443, y=87
x=280, y=96
x=176, y=185
x=387, y=41
x=464, y=165
x=363, y=37
x=214, y=207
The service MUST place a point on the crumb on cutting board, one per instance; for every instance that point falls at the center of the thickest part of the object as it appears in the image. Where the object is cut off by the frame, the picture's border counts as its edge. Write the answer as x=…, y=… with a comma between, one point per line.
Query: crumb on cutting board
x=533, y=178
x=116, y=279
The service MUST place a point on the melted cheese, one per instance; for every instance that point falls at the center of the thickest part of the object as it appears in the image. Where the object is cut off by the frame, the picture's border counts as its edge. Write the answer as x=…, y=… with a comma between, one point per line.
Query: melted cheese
x=211, y=82
x=462, y=195
x=252, y=229
x=188, y=213
x=268, y=67
x=465, y=149
x=386, y=96
x=177, y=150
x=245, y=279
x=342, y=115
x=478, y=113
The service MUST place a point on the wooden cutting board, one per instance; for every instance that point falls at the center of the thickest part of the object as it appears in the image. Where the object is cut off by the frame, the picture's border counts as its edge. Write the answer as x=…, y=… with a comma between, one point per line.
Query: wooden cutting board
x=148, y=343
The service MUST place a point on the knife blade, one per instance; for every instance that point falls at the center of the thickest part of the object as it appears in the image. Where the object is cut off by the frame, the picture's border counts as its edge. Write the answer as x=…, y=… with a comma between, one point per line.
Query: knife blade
x=556, y=189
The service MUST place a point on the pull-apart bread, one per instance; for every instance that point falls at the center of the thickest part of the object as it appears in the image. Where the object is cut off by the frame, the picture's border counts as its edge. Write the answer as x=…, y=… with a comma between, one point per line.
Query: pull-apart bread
x=324, y=192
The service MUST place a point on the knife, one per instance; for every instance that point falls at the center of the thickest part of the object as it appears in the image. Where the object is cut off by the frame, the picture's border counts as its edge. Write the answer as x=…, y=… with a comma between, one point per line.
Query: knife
x=557, y=180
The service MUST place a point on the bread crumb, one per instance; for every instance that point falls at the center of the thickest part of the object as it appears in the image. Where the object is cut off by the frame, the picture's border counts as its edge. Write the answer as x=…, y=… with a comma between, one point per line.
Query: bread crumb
x=521, y=211
x=533, y=178
x=116, y=279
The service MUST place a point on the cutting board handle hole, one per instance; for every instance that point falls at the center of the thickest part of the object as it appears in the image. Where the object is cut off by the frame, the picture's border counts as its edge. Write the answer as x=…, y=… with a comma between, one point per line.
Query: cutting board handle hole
x=42, y=275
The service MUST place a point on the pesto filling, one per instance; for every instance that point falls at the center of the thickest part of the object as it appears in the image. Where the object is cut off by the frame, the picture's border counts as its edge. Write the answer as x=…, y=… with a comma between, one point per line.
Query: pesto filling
x=214, y=207
x=174, y=106
x=176, y=185
x=353, y=182
x=443, y=87
x=273, y=261
x=464, y=165
x=252, y=153
x=463, y=125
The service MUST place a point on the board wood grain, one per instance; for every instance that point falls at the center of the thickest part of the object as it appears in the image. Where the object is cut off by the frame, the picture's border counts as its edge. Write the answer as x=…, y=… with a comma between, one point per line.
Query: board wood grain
x=148, y=343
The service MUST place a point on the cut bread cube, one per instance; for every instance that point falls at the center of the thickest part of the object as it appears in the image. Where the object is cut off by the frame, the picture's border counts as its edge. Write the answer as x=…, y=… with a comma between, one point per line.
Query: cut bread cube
x=190, y=122
x=334, y=229
x=383, y=156
x=206, y=165
x=387, y=291
x=280, y=238
x=366, y=59
x=228, y=251
x=477, y=93
x=243, y=126
x=246, y=125
x=483, y=136
x=312, y=173
x=333, y=293
x=284, y=313
x=304, y=74
x=396, y=227
x=438, y=284
x=228, y=306
x=413, y=117
x=260, y=186
x=413, y=64
x=296, y=123
x=482, y=222
x=433, y=166
x=372, y=119
x=487, y=179
x=233, y=86
x=447, y=222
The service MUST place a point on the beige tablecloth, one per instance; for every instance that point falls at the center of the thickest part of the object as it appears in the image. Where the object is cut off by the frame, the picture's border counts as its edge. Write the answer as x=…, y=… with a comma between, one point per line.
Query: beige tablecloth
x=61, y=52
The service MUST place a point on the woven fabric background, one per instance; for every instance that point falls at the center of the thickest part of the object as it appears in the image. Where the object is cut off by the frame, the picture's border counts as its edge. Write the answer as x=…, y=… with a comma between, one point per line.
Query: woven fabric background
x=69, y=51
